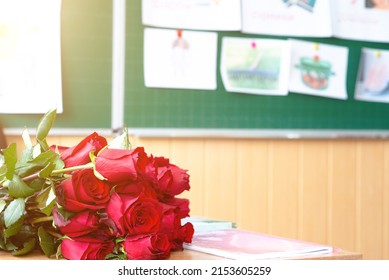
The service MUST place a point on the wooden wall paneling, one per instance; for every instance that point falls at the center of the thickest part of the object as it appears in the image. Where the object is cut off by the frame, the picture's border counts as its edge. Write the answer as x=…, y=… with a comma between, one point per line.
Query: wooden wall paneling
x=342, y=224
x=385, y=220
x=154, y=146
x=314, y=192
x=284, y=180
x=252, y=185
x=371, y=177
x=220, y=179
x=189, y=155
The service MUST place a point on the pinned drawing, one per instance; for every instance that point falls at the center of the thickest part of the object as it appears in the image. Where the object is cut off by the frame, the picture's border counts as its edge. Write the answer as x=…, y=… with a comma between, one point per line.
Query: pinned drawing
x=192, y=14
x=377, y=4
x=365, y=20
x=257, y=66
x=373, y=77
x=315, y=72
x=308, y=18
x=180, y=59
x=179, y=54
x=318, y=69
x=305, y=4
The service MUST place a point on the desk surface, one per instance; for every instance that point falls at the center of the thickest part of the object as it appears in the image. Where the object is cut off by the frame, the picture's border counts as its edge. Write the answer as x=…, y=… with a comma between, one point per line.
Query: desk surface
x=194, y=255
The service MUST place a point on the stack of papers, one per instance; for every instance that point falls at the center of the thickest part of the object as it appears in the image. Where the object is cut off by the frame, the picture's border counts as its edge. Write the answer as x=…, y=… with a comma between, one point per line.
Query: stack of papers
x=240, y=244
x=201, y=224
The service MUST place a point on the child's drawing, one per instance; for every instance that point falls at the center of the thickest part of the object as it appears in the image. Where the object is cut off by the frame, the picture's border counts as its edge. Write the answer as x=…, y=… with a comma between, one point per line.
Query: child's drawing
x=373, y=79
x=305, y=4
x=180, y=59
x=318, y=69
x=256, y=66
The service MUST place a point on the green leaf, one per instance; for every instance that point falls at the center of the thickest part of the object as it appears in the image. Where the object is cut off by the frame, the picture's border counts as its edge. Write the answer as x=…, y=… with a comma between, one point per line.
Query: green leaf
x=14, y=228
x=17, y=188
x=26, y=155
x=46, y=242
x=7, y=245
x=10, y=159
x=121, y=142
x=2, y=205
x=120, y=257
x=59, y=164
x=46, y=171
x=36, y=164
x=27, y=248
x=14, y=211
x=46, y=201
x=43, y=145
x=37, y=184
x=26, y=138
x=45, y=124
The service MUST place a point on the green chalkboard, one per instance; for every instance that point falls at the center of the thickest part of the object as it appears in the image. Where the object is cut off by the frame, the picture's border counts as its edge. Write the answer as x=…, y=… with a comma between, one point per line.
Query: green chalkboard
x=175, y=108
x=86, y=46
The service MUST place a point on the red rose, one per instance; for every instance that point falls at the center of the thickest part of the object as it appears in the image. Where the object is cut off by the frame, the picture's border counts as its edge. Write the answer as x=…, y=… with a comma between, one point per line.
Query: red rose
x=86, y=248
x=181, y=235
x=81, y=223
x=79, y=154
x=135, y=188
x=182, y=205
x=134, y=215
x=171, y=225
x=121, y=165
x=171, y=179
x=147, y=247
x=83, y=191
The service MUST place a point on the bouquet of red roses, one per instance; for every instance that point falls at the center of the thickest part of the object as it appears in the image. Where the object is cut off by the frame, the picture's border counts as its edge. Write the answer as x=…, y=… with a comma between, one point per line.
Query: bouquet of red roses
x=95, y=200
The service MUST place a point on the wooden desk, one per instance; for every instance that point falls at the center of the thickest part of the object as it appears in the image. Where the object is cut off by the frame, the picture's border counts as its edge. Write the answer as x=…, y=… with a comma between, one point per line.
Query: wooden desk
x=193, y=255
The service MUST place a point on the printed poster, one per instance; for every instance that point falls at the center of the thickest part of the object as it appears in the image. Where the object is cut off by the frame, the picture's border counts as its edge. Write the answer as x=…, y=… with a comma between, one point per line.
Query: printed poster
x=256, y=66
x=30, y=56
x=366, y=20
x=373, y=78
x=318, y=69
x=193, y=14
x=180, y=59
x=287, y=17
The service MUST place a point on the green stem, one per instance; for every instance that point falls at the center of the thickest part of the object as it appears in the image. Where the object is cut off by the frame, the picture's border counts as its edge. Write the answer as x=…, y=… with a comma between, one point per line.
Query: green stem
x=60, y=171
x=53, y=233
x=73, y=168
x=42, y=220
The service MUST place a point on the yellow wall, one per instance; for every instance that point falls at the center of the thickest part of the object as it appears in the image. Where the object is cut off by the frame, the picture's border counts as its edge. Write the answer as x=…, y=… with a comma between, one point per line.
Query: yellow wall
x=327, y=191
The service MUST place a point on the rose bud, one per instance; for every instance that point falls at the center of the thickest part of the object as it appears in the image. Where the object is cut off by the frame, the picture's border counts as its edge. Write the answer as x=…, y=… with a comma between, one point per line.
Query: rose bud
x=86, y=248
x=181, y=235
x=79, y=154
x=121, y=165
x=171, y=179
x=147, y=247
x=83, y=191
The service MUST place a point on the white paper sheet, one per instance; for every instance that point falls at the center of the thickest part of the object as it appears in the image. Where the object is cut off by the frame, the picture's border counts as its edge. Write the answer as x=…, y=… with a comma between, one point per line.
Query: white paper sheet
x=257, y=66
x=373, y=78
x=180, y=59
x=287, y=17
x=318, y=69
x=30, y=56
x=192, y=14
x=366, y=20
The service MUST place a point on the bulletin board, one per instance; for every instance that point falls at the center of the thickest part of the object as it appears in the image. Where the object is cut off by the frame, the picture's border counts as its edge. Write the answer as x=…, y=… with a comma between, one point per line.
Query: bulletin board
x=161, y=108
x=86, y=50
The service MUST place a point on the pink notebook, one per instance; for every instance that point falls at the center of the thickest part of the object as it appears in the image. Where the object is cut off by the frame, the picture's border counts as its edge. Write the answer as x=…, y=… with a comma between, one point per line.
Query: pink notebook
x=241, y=244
